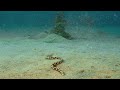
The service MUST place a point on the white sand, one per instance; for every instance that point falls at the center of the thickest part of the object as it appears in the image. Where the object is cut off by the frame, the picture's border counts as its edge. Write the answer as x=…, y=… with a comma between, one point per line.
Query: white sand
x=90, y=55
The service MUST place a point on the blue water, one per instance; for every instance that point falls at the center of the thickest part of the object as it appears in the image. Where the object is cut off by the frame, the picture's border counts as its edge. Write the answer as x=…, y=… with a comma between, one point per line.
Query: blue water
x=17, y=19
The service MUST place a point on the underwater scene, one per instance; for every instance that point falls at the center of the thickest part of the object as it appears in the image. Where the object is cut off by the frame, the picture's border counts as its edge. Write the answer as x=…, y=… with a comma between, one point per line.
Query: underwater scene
x=59, y=44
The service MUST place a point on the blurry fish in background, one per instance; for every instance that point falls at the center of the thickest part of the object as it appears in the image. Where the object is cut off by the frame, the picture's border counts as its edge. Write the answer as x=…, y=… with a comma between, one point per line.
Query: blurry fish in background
x=115, y=15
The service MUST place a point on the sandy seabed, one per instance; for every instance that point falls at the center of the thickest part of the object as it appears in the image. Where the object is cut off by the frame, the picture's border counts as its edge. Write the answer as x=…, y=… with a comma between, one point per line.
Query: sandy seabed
x=88, y=56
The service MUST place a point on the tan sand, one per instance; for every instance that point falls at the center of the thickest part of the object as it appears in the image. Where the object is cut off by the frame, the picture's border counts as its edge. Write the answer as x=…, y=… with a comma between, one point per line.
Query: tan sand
x=84, y=58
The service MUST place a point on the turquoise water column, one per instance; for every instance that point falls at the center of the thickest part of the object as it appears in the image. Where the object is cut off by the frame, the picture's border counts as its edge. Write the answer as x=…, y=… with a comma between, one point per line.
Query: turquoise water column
x=60, y=25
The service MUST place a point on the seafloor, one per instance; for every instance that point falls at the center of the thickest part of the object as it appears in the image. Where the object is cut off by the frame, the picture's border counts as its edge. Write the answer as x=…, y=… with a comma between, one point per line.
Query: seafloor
x=92, y=54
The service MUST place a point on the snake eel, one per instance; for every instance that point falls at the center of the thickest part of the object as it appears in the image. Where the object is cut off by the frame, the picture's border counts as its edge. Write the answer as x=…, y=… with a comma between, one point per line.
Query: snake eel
x=54, y=65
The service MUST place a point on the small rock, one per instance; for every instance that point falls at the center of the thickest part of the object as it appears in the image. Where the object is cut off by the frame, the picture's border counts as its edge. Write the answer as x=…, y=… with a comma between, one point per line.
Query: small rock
x=107, y=76
x=92, y=67
x=81, y=71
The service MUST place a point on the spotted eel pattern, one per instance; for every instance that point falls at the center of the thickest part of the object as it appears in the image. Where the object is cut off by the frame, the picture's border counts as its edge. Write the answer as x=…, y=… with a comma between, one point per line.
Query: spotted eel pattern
x=54, y=65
